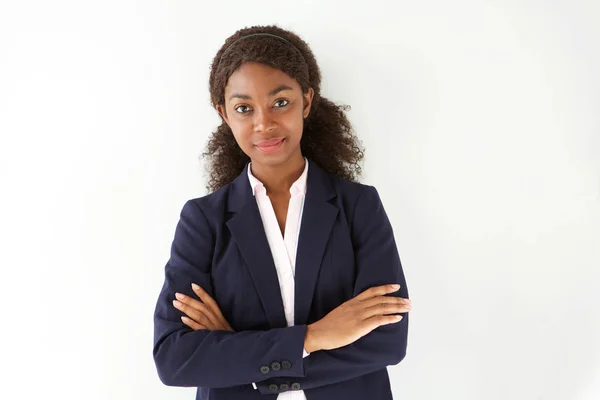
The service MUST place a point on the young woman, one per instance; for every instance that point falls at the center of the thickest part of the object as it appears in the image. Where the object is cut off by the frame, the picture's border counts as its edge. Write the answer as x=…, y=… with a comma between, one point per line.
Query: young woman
x=285, y=280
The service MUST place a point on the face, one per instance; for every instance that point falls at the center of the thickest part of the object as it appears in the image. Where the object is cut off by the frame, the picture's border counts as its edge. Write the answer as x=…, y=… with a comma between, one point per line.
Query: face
x=265, y=109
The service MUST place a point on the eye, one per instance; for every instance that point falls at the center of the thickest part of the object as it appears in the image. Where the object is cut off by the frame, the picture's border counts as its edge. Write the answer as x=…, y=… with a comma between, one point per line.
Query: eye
x=243, y=107
x=282, y=101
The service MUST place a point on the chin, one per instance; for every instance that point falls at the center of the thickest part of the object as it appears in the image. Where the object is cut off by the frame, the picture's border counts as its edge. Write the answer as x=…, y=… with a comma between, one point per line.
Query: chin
x=271, y=159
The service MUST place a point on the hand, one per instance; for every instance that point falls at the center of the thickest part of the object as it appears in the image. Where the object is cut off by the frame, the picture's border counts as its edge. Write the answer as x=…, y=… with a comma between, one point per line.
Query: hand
x=355, y=318
x=201, y=315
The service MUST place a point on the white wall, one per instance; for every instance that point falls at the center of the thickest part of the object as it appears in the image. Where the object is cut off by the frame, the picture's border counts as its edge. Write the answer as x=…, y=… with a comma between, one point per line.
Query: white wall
x=480, y=120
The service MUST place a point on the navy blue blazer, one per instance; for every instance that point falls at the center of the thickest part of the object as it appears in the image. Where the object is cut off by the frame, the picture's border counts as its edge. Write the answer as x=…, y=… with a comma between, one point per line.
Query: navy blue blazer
x=346, y=245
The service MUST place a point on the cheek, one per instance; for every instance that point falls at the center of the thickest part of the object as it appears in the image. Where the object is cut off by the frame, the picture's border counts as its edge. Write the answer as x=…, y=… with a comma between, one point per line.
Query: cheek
x=241, y=132
x=293, y=125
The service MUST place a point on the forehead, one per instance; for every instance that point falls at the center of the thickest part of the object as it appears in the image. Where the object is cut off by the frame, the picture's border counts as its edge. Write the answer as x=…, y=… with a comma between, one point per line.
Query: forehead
x=255, y=78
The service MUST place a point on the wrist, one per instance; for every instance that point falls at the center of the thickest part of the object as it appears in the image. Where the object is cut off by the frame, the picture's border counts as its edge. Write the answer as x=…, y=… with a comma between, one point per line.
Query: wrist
x=310, y=340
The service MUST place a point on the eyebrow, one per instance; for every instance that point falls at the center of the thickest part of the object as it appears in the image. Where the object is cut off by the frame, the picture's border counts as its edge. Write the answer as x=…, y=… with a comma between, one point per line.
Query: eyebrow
x=271, y=93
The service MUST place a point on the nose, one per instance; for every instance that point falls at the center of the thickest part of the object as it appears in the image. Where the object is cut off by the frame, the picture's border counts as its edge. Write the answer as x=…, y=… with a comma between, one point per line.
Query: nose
x=263, y=121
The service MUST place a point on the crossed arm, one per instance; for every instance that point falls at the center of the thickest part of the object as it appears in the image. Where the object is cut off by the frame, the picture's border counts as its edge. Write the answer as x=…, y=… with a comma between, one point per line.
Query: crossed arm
x=188, y=357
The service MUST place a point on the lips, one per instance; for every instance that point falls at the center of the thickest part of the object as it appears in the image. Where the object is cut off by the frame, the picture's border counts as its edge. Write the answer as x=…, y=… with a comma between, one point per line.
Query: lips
x=270, y=145
x=269, y=142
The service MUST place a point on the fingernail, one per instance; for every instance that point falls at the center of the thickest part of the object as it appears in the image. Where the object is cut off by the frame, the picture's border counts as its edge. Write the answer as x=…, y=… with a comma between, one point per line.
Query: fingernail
x=195, y=287
x=399, y=317
x=395, y=286
x=176, y=303
x=179, y=296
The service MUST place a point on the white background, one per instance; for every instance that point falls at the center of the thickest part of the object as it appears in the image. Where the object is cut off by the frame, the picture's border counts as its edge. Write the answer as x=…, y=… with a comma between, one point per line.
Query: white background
x=480, y=120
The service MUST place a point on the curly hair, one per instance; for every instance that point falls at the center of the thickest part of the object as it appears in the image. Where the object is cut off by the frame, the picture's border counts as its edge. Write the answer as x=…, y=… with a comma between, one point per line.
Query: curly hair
x=327, y=136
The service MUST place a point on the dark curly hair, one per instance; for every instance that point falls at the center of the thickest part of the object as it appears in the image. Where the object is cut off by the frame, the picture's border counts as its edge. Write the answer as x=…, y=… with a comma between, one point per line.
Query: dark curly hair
x=327, y=137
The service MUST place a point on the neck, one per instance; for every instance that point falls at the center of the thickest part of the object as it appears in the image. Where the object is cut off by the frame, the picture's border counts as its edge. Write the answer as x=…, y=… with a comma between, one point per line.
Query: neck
x=278, y=179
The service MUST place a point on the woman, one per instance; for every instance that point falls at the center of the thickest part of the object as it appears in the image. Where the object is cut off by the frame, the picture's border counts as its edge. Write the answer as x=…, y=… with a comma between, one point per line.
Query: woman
x=281, y=281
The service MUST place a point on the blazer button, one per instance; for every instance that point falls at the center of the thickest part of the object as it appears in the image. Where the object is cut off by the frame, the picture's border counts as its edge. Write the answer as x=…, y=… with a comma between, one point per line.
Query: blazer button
x=283, y=386
x=275, y=366
x=286, y=364
x=273, y=387
x=295, y=386
x=264, y=369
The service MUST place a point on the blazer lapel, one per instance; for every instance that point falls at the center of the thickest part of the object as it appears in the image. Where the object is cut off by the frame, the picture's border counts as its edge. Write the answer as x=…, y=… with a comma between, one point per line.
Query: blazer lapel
x=247, y=230
x=318, y=218
x=248, y=233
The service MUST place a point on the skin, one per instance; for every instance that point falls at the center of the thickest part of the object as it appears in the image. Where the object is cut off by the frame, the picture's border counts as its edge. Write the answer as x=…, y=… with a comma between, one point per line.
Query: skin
x=263, y=103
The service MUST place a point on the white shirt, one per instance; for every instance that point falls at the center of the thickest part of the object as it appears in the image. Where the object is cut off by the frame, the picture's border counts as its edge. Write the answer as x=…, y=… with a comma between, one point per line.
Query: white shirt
x=283, y=248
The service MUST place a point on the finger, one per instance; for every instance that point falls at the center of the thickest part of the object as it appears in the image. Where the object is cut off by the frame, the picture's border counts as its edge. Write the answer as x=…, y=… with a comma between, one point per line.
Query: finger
x=194, y=314
x=374, y=301
x=384, y=309
x=379, y=320
x=192, y=324
x=211, y=303
x=197, y=305
x=377, y=291
x=207, y=299
x=204, y=296
x=215, y=322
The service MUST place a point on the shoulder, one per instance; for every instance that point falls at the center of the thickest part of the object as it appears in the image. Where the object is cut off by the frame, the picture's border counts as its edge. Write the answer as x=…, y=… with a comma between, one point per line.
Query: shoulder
x=360, y=202
x=352, y=192
x=363, y=208
x=208, y=207
x=212, y=200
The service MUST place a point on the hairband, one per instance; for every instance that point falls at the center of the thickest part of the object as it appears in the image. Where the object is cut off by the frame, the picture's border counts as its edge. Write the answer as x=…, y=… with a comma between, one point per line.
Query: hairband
x=263, y=34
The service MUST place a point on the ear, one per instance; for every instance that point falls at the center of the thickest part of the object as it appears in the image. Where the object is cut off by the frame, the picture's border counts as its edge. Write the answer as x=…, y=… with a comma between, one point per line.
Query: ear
x=222, y=113
x=308, y=97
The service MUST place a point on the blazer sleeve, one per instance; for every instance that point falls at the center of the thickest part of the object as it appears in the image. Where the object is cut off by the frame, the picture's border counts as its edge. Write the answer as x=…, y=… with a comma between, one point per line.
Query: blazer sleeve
x=377, y=263
x=203, y=358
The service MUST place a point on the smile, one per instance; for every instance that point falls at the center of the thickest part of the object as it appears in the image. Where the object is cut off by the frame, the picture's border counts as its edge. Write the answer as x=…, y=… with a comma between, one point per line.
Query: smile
x=270, y=146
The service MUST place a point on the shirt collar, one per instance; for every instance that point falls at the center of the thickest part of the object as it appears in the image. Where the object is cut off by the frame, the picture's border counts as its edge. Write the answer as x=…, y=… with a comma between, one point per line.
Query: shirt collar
x=297, y=187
